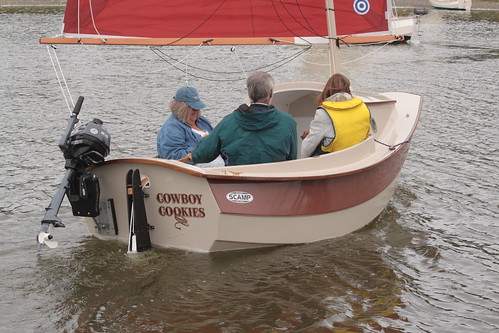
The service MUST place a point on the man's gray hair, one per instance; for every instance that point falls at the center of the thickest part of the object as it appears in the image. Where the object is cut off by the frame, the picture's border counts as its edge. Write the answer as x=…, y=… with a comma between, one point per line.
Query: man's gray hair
x=260, y=86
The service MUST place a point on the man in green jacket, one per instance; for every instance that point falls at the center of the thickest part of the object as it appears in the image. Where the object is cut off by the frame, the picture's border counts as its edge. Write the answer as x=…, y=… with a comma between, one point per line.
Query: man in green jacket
x=258, y=133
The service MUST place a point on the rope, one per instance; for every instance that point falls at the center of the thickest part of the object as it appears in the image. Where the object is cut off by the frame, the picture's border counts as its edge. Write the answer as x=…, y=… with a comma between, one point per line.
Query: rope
x=78, y=19
x=233, y=49
x=268, y=67
x=347, y=62
x=177, y=62
x=64, y=78
x=156, y=50
x=283, y=20
x=92, y=16
x=392, y=147
x=65, y=93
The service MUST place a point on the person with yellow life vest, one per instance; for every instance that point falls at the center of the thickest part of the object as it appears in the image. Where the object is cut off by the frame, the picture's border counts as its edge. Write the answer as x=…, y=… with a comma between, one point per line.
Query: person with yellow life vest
x=340, y=121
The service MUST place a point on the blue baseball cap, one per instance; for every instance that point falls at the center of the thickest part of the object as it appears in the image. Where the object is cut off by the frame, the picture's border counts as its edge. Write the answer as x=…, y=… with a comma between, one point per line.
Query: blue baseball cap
x=190, y=96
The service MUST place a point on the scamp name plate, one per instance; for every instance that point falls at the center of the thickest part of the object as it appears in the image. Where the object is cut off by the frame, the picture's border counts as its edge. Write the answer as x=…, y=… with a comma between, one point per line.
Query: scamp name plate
x=239, y=197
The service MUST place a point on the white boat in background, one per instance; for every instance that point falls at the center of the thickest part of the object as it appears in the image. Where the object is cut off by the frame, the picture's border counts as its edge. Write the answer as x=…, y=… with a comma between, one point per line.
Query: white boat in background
x=146, y=201
x=451, y=4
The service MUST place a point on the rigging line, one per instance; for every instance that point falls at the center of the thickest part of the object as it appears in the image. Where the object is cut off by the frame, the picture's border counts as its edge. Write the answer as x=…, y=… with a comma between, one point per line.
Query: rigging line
x=92, y=16
x=58, y=79
x=160, y=55
x=366, y=55
x=63, y=78
x=213, y=80
x=312, y=31
x=112, y=65
x=315, y=63
x=165, y=56
x=392, y=147
x=294, y=19
x=154, y=49
x=284, y=63
x=306, y=19
x=354, y=60
x=78, y=19
x=187, y=73
x=275, y=65
x=199, y=26
x=157, y=51
x=284, y=24
x=233, y=49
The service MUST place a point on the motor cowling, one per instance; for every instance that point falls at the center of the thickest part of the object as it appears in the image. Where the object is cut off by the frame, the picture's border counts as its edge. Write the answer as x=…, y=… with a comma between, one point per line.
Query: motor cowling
x=88, y=143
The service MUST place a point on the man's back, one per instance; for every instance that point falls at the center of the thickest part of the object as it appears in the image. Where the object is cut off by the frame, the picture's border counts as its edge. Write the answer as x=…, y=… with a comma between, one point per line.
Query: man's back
x=251, y=135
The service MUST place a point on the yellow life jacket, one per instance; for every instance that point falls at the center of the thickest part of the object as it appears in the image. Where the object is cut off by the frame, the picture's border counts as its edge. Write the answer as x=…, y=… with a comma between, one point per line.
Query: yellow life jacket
x=351, y=121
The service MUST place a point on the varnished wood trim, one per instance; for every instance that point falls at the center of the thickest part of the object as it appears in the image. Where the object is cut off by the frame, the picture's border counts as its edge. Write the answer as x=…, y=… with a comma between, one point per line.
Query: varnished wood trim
x=380, y=102
x=165, y=41
x=371, y=39
x=238, y=177
x=157, y=162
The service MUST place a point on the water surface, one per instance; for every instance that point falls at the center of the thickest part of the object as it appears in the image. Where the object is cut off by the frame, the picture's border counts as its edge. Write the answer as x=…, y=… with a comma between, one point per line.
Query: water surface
x=428, y=263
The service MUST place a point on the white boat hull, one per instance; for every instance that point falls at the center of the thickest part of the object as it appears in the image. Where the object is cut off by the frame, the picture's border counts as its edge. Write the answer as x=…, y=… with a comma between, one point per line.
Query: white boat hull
x=249, y=206
x=452, y=4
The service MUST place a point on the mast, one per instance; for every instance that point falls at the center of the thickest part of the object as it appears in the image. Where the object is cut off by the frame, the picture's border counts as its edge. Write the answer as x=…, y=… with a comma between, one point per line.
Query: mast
x=331, y=28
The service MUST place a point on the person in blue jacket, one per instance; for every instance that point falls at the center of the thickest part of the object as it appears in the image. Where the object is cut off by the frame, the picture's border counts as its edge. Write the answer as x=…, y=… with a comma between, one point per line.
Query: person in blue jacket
x=185, y=128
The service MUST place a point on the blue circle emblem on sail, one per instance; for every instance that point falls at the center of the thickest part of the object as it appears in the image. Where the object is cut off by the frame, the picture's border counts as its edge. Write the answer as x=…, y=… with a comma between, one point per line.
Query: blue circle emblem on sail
x=361, y=7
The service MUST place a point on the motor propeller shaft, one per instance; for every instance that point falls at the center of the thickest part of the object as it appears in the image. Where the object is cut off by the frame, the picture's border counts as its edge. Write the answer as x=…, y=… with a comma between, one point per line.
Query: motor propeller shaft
x=45, y=236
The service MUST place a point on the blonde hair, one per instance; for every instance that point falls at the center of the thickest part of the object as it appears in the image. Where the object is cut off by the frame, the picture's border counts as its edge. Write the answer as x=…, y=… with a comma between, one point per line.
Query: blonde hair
x=181, y=110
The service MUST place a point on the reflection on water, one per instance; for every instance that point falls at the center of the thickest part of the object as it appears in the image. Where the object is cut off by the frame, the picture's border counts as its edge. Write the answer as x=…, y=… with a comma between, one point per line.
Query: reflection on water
x=426, y=264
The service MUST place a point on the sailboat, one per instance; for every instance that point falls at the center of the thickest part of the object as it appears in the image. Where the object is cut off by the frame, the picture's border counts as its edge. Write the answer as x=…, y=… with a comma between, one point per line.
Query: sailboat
x=400, y=28
x=451, y=4
x=148, y=201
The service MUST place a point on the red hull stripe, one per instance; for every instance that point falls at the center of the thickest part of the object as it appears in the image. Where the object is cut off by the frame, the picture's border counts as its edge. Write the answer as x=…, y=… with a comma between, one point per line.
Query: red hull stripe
x=304, y=197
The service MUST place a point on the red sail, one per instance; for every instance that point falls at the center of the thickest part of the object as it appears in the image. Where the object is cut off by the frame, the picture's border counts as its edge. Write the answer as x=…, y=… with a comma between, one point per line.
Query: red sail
x=219, y=18
x=196, y=19
x=361, y=16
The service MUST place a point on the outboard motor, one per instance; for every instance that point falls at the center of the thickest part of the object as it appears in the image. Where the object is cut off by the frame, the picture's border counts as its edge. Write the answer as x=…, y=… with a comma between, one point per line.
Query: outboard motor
x=89, y=143
x=82, y=146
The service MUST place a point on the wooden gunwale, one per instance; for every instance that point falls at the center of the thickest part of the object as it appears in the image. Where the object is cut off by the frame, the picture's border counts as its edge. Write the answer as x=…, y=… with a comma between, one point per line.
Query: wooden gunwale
x=235, y=176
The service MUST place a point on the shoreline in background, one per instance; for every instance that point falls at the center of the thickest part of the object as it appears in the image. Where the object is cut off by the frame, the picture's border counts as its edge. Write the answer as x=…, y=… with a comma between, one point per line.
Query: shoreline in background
x=477, y=4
